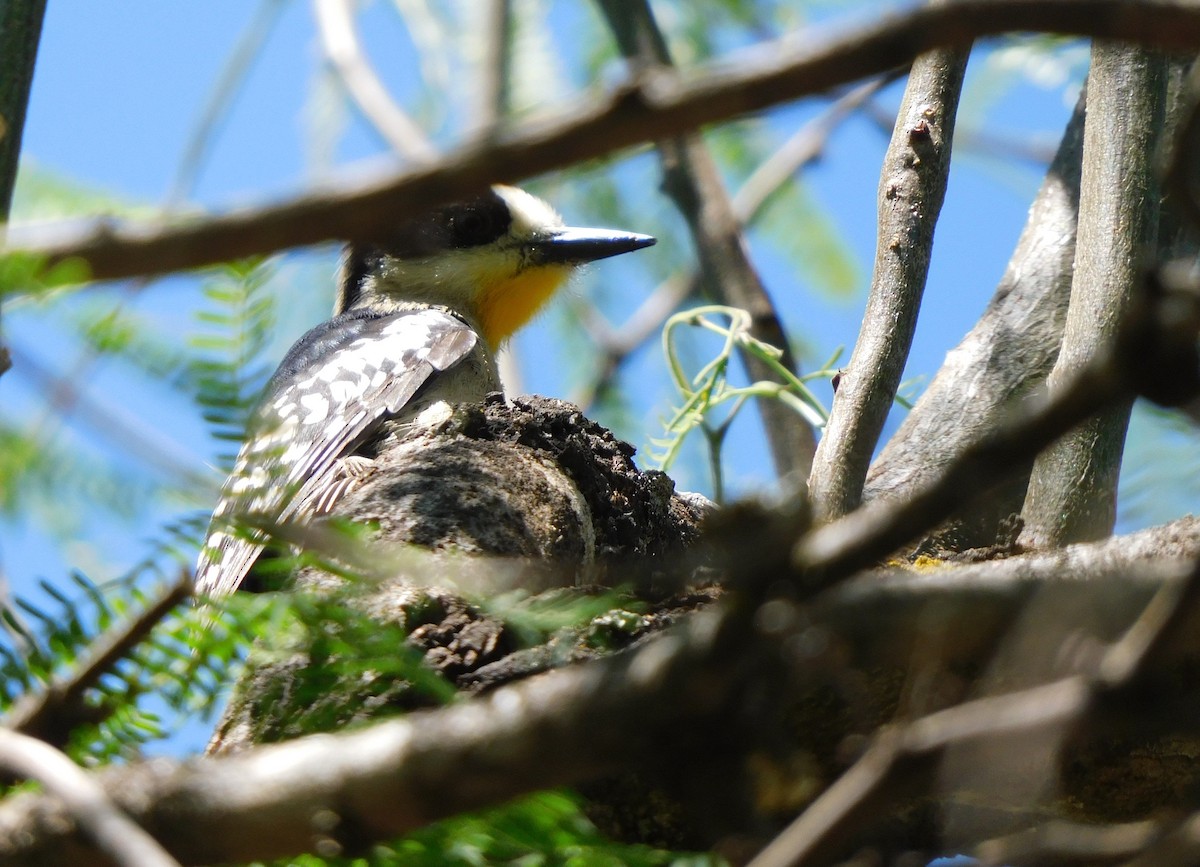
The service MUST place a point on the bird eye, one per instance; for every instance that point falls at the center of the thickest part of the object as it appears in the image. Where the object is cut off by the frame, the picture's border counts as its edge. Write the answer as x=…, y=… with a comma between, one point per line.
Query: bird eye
x=472, y=228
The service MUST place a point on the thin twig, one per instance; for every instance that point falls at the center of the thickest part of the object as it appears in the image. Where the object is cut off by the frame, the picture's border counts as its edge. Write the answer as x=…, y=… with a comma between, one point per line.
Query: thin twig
x=339, y=39
x=912, y=186
x=51, y=712
x=220, y=100
x=691, y=179
x=804, y=146
x=617, y=344
x=119, y=427
x=496, y=78
x=656, y=107
x=116, y=835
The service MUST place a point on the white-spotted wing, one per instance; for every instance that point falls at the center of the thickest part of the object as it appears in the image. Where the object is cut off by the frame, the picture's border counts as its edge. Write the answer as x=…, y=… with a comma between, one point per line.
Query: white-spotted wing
x=329, y=396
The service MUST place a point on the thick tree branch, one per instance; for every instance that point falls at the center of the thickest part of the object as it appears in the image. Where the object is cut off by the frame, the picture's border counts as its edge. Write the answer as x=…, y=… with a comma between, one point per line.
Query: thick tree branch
x=1126, y=679
x=659, y=106
x=1006, y=355
x=1073, y=488
x=99, y=818
x=380, y=782
x=912, y=186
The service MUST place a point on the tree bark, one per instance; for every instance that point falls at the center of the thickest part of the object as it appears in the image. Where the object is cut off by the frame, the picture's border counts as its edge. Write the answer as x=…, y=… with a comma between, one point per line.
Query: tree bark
x=912, y=187
x=1073, y=487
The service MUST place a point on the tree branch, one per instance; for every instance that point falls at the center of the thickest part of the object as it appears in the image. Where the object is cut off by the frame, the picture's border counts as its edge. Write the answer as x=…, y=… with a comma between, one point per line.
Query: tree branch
x=912, y=186
x=375, y=783
x=20, y=32
x=339, y=40
x=1006, y=355
x=660, y=105
x=802, y=147
x=51, y=713
x=1154, y=354
x=112, y=832
x=906, y=759
x=693, y=182
x=496, y=72
x=1073, y=488
x=379, y=782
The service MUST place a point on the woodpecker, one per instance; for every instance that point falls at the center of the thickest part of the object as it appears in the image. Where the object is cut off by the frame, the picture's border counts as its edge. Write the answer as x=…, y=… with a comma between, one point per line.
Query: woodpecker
x=419, y=315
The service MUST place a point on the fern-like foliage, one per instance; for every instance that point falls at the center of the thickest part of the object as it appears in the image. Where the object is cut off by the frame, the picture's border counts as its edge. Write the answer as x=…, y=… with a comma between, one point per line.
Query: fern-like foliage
x=229, y=369
x=43, y=641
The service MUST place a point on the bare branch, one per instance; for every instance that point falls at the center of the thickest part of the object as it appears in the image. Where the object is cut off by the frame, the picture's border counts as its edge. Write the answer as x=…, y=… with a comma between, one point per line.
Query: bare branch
x=1179, y=848
x=912, y=186
x=20, y=33
x=1154, y=350
x=99, y=819
x=339, y=39
x=803, y=147
x=497, y=65
x=660, y=105
x=220, y=100
x=380, y=782
x=1065, y=843
x=691, y=179
x=1073, y=488
x=111, y=421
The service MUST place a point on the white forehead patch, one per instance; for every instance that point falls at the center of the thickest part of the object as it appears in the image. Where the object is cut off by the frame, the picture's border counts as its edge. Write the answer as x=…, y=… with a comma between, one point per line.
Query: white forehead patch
x=530, y=215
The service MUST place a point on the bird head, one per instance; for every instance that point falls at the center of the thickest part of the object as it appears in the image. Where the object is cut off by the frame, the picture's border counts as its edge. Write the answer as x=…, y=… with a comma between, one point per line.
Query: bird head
x=495, y=259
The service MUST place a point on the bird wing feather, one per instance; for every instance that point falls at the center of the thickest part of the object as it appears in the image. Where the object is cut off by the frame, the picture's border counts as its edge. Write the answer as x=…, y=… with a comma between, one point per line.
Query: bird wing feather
x=332, y=399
